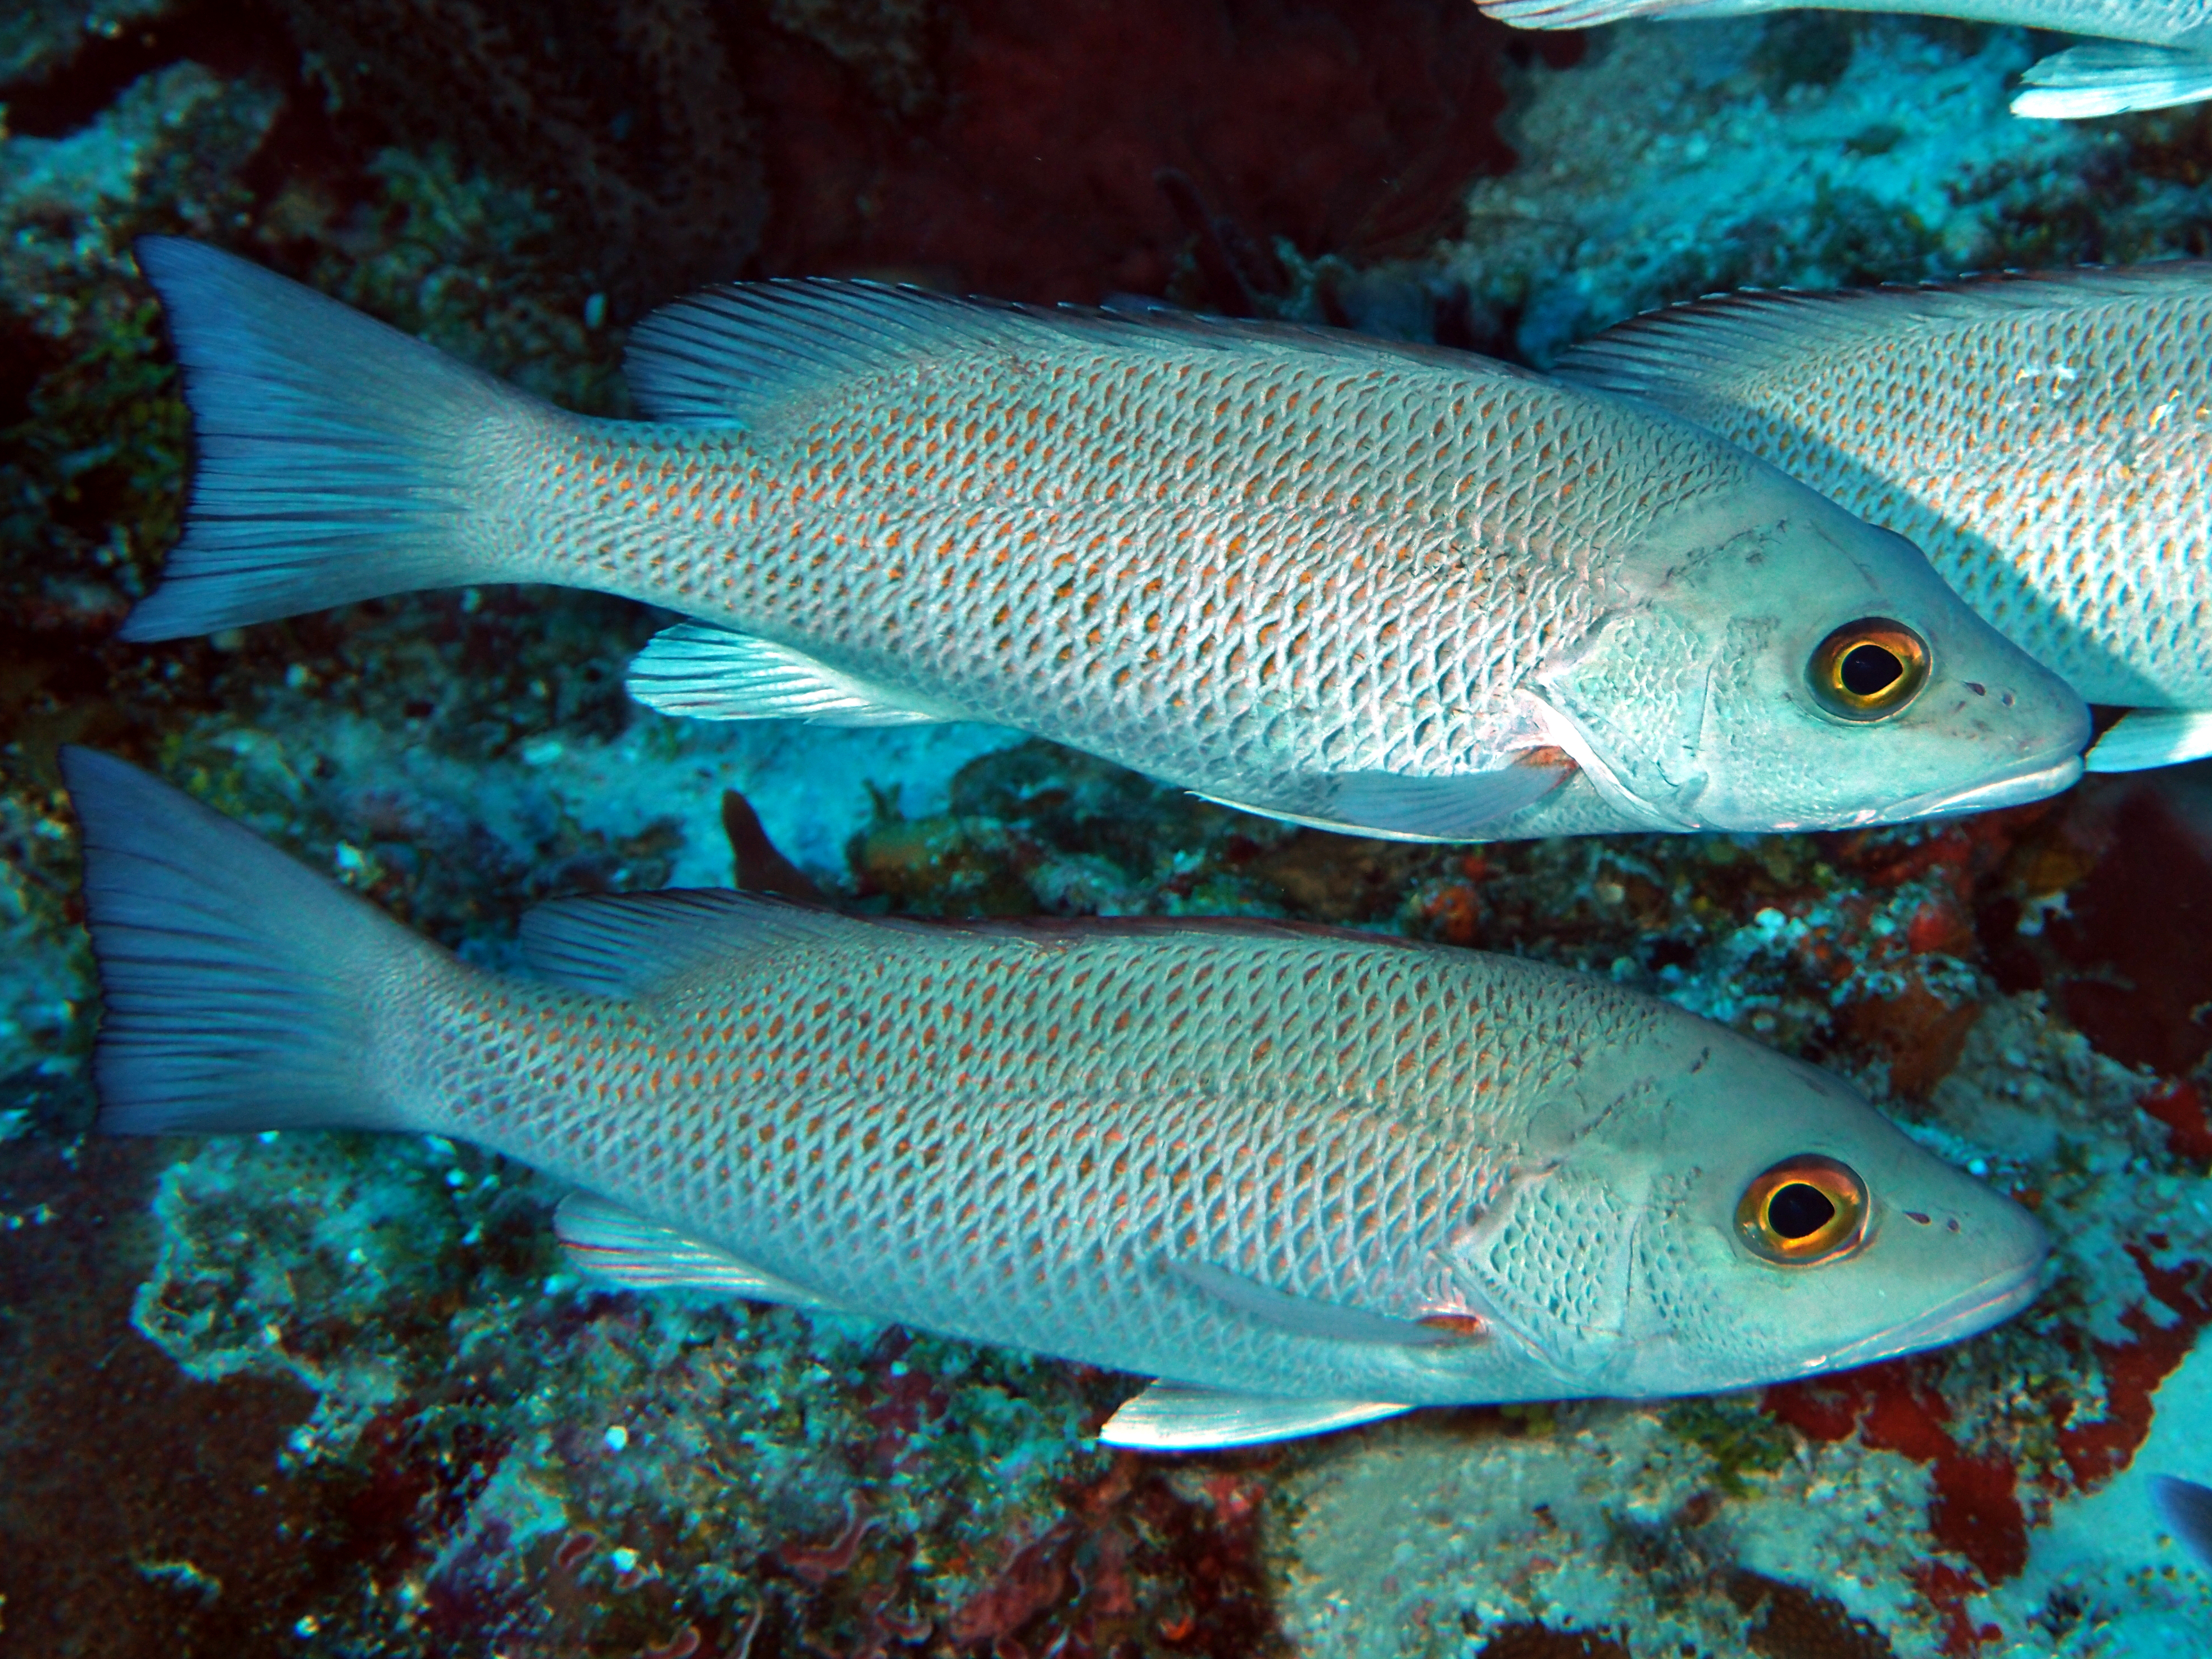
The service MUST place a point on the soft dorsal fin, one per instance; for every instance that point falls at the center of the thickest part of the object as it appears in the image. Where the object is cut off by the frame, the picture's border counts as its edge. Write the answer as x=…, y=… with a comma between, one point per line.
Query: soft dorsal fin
x=708, y=672
x=609, y=1242
x=1679, y=353
x=730, y=354
x=1174, y=1417
x=632, y=943
x=1302, y=1316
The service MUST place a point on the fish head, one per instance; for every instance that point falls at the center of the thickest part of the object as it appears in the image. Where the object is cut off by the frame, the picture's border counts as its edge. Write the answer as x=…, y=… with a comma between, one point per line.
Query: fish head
x=1728, y=1217
x=1766, y=661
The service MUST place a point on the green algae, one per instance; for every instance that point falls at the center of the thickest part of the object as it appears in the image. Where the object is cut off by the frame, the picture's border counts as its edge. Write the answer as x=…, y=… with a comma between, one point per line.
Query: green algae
x=1738, y=1437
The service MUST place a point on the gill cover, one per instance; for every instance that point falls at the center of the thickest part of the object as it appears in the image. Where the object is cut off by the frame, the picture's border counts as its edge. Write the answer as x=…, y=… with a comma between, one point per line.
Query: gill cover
x=1811, y=672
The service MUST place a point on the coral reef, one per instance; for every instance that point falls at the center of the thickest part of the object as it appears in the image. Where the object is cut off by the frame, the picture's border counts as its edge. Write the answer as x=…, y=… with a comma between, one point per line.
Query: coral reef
x=338, y=1394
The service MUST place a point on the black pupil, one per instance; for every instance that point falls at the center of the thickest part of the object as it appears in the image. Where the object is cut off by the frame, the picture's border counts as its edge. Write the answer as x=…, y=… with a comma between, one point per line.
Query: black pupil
x=1797, y=1211
x=1867, y=669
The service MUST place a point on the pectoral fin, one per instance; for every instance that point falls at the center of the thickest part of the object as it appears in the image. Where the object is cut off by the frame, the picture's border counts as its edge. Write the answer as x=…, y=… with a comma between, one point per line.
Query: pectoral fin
x=1302, y=1316
x=2111, y=77
x=2145, y=737
x=1171, y=1417
x=1594, y=14
x=706, y=672
x=607, y=1241
x=1463, y=807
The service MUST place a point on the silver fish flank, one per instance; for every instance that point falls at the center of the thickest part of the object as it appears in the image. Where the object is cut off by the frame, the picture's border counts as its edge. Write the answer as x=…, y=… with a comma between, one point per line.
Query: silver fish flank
x=1395, y=590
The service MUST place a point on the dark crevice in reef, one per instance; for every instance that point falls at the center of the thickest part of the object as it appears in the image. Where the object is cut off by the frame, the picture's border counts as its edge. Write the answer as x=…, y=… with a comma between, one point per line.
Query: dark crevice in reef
x=233, y=39
x=1533, y=1640
x=1791, y=1622
x=107, y=1547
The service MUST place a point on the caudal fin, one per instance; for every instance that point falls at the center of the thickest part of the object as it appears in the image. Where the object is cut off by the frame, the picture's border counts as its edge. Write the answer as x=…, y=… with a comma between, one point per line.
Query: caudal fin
x=335, y=456
x=238, y=987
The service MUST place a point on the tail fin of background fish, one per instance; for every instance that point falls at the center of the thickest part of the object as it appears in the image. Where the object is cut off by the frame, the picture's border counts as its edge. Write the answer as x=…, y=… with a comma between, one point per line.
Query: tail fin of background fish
x=2186, y=1508
x=238, y=987
x=333, y=452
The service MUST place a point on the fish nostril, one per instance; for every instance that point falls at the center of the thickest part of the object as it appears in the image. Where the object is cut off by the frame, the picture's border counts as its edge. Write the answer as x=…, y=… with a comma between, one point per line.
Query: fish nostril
x=1977, y=688
x=1915, y=1215
x=2005, y=698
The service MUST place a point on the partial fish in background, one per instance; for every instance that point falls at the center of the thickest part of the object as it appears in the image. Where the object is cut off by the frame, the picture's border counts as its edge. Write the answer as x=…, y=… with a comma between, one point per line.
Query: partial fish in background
x=1310, y=1178
x=2187, y=1507
x=2044, y=438
x=1394, y=591
x=2148, y=53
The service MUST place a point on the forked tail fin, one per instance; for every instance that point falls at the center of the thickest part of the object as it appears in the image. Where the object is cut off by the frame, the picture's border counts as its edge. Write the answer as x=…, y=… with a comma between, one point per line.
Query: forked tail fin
x=336, y=459
x=240, y=989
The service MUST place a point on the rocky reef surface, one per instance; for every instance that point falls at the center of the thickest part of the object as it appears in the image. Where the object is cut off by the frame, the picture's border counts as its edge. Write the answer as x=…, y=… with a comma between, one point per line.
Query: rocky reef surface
x=340, y=1395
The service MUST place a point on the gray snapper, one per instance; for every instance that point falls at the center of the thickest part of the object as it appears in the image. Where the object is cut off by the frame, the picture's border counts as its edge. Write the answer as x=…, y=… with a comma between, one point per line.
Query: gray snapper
x=2147, y=54
x=2043, y=438
x=1307, y=1177
x=1399, y=590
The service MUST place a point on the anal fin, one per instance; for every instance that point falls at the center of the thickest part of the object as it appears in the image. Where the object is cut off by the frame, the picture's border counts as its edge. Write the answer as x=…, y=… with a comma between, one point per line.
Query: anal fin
x=608, y=1241
x=1173, y=1417
x=2144, y=738
x=2112, y=77
x=707, y=672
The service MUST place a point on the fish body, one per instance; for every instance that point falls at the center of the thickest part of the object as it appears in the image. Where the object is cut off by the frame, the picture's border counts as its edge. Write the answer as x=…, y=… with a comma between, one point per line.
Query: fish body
x=2041, y=438
x=1387, y=589
x=2145, y=54
x=1307, y=1177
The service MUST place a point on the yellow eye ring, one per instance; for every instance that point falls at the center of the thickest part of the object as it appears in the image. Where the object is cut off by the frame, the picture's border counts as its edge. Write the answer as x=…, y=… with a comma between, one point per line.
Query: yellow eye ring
x=1802, y=1211
x=1869, y=669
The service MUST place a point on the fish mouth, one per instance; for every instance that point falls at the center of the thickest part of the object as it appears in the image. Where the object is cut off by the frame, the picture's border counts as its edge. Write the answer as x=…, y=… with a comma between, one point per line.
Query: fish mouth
x=2016, y=789
x=1991, y=1302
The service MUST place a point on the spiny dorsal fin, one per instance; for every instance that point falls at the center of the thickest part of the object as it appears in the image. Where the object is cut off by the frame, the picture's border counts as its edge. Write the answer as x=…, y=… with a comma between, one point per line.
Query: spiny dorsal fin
x=731, y=354
x=1679, y=352
x=1175, y=1417
x=634, y=944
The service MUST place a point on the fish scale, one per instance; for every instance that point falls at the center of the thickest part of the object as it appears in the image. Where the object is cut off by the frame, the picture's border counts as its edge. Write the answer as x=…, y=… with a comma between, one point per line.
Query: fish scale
x=1312, y=1111
x=1260, y=559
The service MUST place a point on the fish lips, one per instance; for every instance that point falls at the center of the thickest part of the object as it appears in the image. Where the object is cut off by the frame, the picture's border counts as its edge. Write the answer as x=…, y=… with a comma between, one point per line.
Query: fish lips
x=2016, y=789
x=1991, y=1302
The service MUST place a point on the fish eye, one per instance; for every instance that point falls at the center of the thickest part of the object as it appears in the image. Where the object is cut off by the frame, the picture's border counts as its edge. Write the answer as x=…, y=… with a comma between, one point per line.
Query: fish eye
x=1869, y=669
x=1803, y=1210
